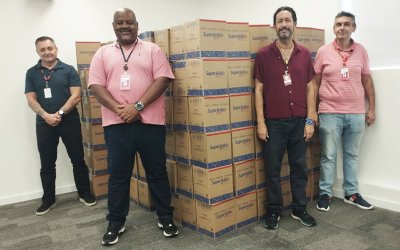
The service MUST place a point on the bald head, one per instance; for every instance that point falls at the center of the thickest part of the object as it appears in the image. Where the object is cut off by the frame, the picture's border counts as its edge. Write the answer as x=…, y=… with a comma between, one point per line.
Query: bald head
x=125, y=26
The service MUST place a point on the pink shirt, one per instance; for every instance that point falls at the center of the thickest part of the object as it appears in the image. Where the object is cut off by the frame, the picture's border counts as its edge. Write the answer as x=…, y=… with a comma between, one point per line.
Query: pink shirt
x=337, y=95
x=146, y=64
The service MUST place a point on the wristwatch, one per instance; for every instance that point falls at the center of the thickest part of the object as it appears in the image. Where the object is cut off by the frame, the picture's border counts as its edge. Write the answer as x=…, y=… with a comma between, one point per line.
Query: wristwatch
x=309, y=121
x=61, y=112
x=139, y=106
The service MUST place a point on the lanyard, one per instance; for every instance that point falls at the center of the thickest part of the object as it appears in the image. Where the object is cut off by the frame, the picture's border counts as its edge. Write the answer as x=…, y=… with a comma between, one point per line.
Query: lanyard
x=46, y=78
x=344, y=54
x=129, y=56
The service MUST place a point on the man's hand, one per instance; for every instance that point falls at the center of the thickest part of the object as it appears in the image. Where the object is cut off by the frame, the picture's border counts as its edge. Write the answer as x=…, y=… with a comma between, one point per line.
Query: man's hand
x=262, y=132
x=52, y=119
x=128, y=113
x=370, y=117
x=308, y=132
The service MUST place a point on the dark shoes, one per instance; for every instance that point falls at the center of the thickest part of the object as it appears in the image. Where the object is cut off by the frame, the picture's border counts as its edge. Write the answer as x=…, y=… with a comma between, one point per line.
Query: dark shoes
x=357, y=200
x=271, y=222
x=88, y=199
x=111, y=236
x=305, y=218
x=45, y=207
x=324, y=202
x=169, y=229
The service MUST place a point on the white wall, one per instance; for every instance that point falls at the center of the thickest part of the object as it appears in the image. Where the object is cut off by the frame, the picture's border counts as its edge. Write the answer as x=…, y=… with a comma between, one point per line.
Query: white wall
x=22, y=21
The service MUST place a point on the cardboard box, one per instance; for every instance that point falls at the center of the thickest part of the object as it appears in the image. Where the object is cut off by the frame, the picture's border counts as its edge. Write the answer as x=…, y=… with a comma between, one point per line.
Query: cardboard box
x=243, y=144
x=261, y=203
x=181, y=113
x=240, y=111
x=188, y=212
x=310, y=38
x=205, y=38
x=177, y=43
x=185, y=180
x=216, y=220
x=213, y=185
x=92, y=133
x=238, y=36
x=260, y=35
x=84, y=76
x=258, y=144
x=96, y=160
x=246, y=209
x=244, y=176
x=169, y=111
x=161, y=38
x=141, y=170
x=170, y=144
x=207, y=77
x=261, y=181
x=313, y=156
x=134, y=192
x=99, y=185
x=175, y=203
x=208, y=114
x=85, y=52
x=286, y=194
x=182, y=147
x=180, y=83
x=285, y=168
x=147, y=36
x=145, y=199
x=211, y=150
x=172, y=171
x=91, y=108
x=239, y=76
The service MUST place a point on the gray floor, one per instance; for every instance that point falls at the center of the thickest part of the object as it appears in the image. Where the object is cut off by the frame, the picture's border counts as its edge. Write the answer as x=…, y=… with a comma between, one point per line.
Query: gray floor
x=71, y=225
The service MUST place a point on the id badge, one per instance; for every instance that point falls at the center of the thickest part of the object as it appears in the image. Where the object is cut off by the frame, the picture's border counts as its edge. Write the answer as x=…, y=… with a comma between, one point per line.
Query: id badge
x=125, y=82
x=47, y=93
x=344, y=72
x=286, y=79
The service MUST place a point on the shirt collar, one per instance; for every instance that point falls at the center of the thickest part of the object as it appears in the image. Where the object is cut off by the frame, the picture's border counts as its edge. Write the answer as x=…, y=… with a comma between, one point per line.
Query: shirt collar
x=58, y=65
x=276, y=49
x=351, y=49
x=116, y=43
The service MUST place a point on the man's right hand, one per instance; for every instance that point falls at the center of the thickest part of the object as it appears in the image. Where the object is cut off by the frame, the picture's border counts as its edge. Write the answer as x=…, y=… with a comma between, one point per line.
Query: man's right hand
x=262, y=131
x=52, y=119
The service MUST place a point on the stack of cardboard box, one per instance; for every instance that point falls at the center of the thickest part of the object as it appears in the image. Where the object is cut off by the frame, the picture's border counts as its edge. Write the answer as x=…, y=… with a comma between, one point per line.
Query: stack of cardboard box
x=92, y=130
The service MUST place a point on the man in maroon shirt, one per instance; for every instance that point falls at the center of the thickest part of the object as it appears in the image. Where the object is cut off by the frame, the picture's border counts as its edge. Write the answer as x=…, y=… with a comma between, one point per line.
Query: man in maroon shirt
x=285, y=108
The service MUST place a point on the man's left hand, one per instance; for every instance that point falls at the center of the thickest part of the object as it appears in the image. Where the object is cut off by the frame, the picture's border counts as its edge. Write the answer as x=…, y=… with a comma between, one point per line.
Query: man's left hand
x=370, y=117
x=308, y=132
x=128, y=113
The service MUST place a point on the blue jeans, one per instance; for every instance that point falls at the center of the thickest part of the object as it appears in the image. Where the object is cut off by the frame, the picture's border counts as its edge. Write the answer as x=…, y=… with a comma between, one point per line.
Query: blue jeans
x=47, y=141
x=123, y=141
x=349, y=127
x=285, y=134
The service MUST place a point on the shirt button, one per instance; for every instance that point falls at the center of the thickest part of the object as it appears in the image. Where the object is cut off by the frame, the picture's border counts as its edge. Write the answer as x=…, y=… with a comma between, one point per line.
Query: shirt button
x=290, y=92
x=291, y=104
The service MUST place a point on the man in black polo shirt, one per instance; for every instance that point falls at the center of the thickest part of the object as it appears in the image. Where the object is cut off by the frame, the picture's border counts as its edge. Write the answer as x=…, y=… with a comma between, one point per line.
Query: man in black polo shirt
x=52, y=89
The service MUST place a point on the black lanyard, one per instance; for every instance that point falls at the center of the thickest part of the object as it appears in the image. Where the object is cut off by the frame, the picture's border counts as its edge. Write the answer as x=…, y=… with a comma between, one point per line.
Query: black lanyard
x=129, y=56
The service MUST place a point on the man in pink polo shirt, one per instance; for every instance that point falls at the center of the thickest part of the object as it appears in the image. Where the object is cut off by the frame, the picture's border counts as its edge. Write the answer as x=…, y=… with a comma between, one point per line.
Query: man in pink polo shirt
x=128, y=78
x=343, y=78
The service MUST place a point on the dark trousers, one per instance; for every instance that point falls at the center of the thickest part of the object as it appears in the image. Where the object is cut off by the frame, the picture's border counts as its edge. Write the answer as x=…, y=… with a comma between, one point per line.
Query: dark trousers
x=285, y=134
x=123, y=141
x=47, y=142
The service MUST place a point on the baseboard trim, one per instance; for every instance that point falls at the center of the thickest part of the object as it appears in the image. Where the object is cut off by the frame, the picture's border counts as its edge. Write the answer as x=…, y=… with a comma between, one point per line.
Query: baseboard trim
x=33, y=195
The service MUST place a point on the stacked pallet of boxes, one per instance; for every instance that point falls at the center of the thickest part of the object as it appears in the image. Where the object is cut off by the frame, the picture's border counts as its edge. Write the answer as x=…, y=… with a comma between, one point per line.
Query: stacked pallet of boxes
x=92, y=130
x=215, y=159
